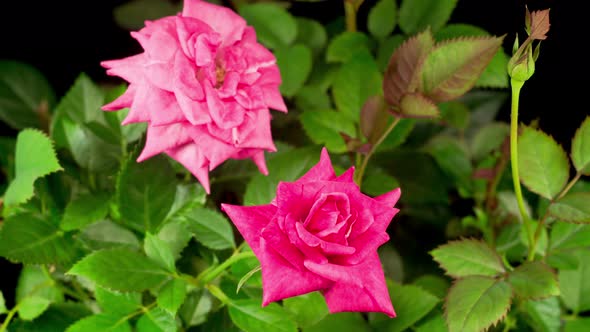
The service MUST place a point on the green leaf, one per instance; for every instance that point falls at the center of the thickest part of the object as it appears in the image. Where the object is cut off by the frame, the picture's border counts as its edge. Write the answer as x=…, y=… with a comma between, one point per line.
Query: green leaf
x=32, y=306
x=34, y=159
x=577, y=325
x=451, y=156
x=159, y=251
x=56, y=318
x=572, y=208
x=435, y=285
x=543, y=315
x=275, y=27
x=295, y=64
x=324, y=128
x=120, y=269
x=355, y=82
x=25, y=95
x=145, y=192
x=107, y=234
x=104, y=322
x=435, y=324
x=581, y=148
x=342, y=322
x=250, y=316
x=566, y=236
x=307, y=309
x=386, y=49
x=29, y=239
x=415, y=105
x=312, y=34
x=575, y=283
x=543, y=165
x=487, y=139
x=404, y=69
x=534, y=280
x=382, y=18
x=346, y=46
x=80, y=105
x=464, y=60
x=417, y=15
x=196, y=309
x=468, y=257
x=377, y=182
x=398, y=135
x=172, y=295
x=188, y=196
x=176, y=235
x=282, y=166
x=117, y=303
x=33, y=281
x=411, y=303
x=3, y=309
x=211, y=228
x=131, y=15
x=89, y=151
x=156, y=320
x=477, y=302
x=311, y=98
x=85, y=210
x=455, y=114
x=495, y=74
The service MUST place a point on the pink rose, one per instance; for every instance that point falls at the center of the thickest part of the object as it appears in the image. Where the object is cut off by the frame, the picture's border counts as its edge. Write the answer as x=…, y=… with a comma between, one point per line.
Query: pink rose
x=321, y=233
x=204, y=86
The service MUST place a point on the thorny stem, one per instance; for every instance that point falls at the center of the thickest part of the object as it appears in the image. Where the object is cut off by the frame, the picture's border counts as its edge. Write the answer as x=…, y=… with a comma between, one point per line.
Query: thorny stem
x=516, y=86
x=541, y=224
x=361, y=171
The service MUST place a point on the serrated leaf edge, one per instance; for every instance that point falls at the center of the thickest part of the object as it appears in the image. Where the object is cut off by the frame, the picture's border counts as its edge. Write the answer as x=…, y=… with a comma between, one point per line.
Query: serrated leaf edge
x=452, y=242
x=501, y=318
x=546, y=267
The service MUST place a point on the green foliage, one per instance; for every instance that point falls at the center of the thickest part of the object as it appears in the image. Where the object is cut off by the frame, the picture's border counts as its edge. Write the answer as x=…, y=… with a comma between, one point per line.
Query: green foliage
x=210, y=228
x=100, y=322
x=543, y=163
x=308, y=309
x=85, y=210
x=25, y=95
x=172, y=295
x=477, y=302
x=575, y=283
x=572, y=208
x=411, y=303
x=468, y=258
x=417, y=15
x=34, y=159
x=581, y=148
x=249, y=316
x=275, y=27
x=347, y=46
x=145, y=193
x=120, y=269
x=534, y=280
x=325, y=128
x=382, y=18
x=295, y=65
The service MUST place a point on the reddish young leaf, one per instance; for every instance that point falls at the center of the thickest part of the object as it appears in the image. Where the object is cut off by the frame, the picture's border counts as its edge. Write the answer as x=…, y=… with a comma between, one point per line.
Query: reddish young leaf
x=453, y=67
x=539, y=24
x=403, y=72
x=374, y=118
x=415, y=105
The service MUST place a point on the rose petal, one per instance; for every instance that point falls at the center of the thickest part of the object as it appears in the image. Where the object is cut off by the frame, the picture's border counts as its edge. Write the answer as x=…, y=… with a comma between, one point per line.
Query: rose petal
x=123, y=101
x=162, y=138
x=328, y=248
x=347, y=176
x=277, y=240
x=223, y=20
x=129, y=69
x=250, y=221
x=390, y=198
x=281, y=280
x=356, y=288
x=191, y=157
x=273, y=98
x=321, y=171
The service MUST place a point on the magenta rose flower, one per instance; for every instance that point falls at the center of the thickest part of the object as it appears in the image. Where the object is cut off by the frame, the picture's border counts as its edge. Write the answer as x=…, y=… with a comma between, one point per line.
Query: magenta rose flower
x=321, y=233
x=204, y=85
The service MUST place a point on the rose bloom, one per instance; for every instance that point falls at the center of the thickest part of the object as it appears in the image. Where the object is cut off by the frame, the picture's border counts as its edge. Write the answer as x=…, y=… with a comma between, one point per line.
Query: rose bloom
x=321, y=233
x=204, y=85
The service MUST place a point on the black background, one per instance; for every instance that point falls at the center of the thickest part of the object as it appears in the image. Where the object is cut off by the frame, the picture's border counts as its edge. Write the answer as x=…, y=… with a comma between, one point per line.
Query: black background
x=63, y=38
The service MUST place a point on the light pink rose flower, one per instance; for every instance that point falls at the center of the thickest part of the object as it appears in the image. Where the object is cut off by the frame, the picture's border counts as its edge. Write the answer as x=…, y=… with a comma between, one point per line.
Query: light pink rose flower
x=321, y=233
x=204, y=85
